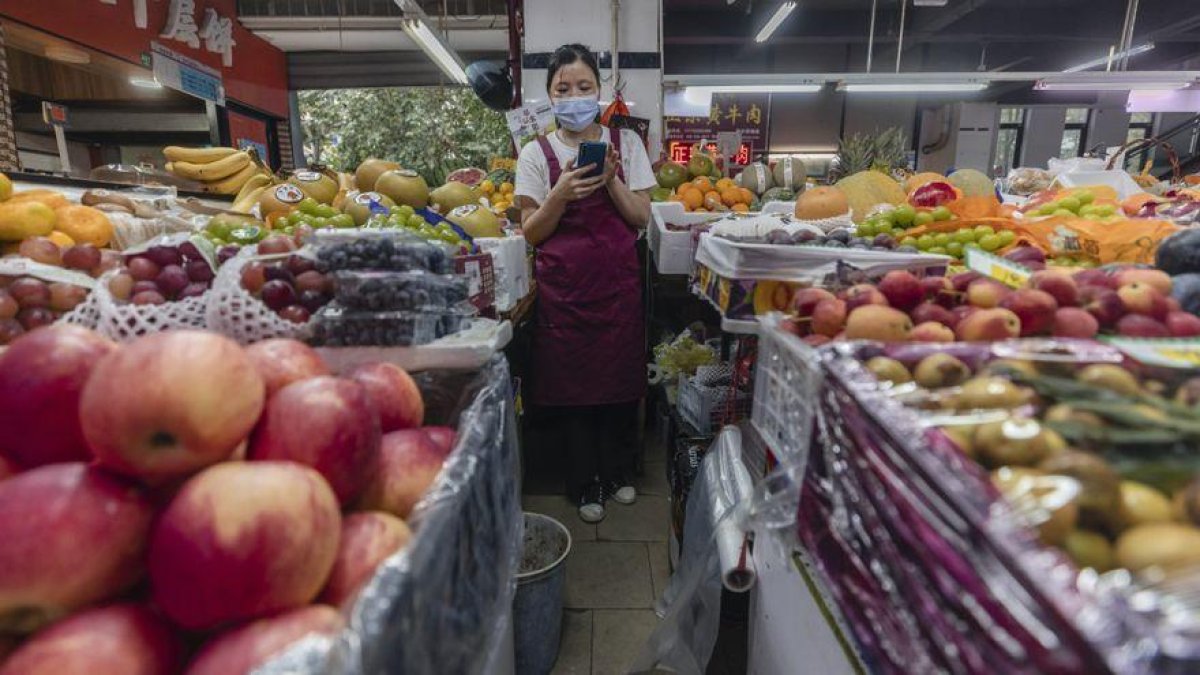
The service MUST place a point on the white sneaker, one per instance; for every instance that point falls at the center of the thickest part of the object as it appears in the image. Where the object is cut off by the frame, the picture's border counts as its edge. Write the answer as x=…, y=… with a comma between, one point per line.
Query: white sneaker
x=591, y=504
x=591, y=513
x=625, y=495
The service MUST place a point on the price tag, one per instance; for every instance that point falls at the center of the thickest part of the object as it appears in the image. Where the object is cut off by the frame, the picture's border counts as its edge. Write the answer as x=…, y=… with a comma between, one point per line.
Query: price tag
x=16, y=266
x=1183, y=354
x=1005, y=271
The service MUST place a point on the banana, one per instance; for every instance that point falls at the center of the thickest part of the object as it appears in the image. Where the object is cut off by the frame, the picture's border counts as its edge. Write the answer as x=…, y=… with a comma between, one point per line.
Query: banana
x=231, y=185
x=177, y=153
x=222, y=168
x=246, y=204
x=256, y=181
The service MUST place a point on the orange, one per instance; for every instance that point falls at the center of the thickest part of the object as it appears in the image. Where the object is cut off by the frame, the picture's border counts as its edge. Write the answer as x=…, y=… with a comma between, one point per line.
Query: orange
x=730, y=196
x=724, y=184
x=741, y=208
x=61, y=238
x=747, y=196
x=712, y=194
x=677, y=197
x=85, y=225
x=703, y=184
x=693, y=198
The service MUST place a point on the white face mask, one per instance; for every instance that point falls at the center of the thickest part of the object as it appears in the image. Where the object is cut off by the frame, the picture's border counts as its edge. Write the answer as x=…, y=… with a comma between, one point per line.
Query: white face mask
x=577, y=113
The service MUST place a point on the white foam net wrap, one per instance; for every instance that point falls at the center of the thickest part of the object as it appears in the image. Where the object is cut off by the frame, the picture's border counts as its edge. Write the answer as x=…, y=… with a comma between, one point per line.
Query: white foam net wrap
x=828, y=225
x=123, y=321
x=233, y=312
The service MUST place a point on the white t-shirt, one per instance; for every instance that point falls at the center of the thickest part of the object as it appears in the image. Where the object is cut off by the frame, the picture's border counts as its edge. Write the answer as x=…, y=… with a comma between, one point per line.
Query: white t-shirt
x=533, y=172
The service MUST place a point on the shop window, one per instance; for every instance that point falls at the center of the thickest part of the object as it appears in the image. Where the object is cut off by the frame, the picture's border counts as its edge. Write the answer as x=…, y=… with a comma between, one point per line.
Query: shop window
x=1009, y=137
x=1074, y=140
x=1141, y=125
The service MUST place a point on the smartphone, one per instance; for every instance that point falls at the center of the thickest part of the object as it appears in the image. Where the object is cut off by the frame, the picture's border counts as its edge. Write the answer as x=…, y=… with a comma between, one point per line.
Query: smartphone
x=591, y=152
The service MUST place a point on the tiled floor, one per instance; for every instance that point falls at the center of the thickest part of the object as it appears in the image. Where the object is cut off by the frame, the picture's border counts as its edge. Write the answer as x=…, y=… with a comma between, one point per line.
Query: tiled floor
x=615, y=572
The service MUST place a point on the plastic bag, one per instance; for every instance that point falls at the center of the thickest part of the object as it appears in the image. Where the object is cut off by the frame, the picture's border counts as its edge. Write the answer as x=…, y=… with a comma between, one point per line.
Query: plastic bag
x=232, y=311
x=1027, y=180
x=1055, y=166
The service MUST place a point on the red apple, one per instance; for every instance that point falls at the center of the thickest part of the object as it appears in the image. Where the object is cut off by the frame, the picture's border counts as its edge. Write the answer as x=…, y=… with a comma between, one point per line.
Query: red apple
x=327, y=423
x=939, y=290
x=170, y=404
x=863, y=294
x=932, y=331
x=72, y=536
x=986, y=293
x=1029, y=256
x=409, y=462
x=1173, y=305
x=1034, y=308
x=281, y=362
x=1096, y=277
x=240, y=650
x=989, y=325
x=1060, y=285
x=120, y=639
x=797, y=327
x=42, y=375
x=829, y=317
x=444, y=437
x=1183, y=324
x=1145, y=299
x=1102, y=303
x=902, y=290
x=1074, y=322
x=961, y=312
x=1140, y=325
x=963, y=280
x=805, y=300
x=928, y=311
x=1158, y=279
x=394, y=394
x=367, y=540
x=874, y=322
x=243, y=540
x=8, y=468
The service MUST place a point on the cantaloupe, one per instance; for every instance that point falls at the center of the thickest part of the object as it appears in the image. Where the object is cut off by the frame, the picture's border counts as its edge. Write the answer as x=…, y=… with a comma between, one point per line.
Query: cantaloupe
x=867, y=189
x=756, y=178
x=918, y=179
x=821, y=202
x=790, y=173
x=973, y=183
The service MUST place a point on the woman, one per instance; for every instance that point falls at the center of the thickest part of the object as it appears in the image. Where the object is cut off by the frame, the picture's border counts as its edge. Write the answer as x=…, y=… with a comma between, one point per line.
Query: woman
x=589, y=360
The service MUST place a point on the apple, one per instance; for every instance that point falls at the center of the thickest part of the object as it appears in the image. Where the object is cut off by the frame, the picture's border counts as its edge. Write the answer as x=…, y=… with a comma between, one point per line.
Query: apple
x=394, y=394
x=986, y=293
x=444, y=437
x=928, y=311
x=829, y=317
x=1096, y=277
x=242, y=649
x=1060, y=285
x=367, y=540
x=961, y=312
x=8, y=468
x=902, y=290
x=963, y=280
x=42, y=376
x=804, y=300
x=989, y=325
x=932, y=331
x=1145, y=299
x=1183, y=324
x=1034, y=308
x=170, y=404
x=1140, y=325
x=243, y=540
x=1029, y=256
x=1102, y=303
x=874, y=322
x=939, y=290
x=1158, y=279
x=72, y=535
x=1074, y=322
x=281, y=361
x=115, y=640
x=1173, y=305
x=816, y=340
x=863, y=294
x=409, y=462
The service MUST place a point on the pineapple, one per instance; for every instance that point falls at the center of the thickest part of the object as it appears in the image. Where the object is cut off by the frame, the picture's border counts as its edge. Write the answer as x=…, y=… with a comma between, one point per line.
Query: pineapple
x=854, y=154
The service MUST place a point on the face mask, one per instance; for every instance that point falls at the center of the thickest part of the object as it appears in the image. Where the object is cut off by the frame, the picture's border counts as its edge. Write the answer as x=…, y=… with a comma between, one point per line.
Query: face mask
x=577, y=113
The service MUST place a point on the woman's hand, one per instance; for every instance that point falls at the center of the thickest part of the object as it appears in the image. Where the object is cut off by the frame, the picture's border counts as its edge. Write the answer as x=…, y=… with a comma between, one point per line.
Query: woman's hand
x=573, y=184
x=611, y=163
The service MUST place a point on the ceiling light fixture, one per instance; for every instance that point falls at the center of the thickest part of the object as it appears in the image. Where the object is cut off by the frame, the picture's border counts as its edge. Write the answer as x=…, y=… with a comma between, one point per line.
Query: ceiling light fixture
x=433, y=47
x=1111, y=58
x=773, y=23
x=1114, y=82
x=914, y=88
x=145, y=82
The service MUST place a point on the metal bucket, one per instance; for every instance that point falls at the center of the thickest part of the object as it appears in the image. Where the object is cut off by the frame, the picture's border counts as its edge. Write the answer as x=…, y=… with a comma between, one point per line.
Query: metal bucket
x=538, y=605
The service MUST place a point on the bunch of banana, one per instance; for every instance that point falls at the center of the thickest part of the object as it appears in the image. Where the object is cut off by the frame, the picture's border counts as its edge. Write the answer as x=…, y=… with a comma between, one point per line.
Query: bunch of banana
x=248, y=196
x=222, y=170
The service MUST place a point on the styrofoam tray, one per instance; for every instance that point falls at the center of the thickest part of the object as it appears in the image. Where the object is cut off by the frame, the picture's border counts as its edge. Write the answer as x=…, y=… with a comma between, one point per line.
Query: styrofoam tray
x=466, y=350
x=674, y=251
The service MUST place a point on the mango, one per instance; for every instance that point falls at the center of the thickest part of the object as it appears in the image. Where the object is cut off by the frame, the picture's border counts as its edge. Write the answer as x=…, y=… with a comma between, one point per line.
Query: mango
x=23, y=219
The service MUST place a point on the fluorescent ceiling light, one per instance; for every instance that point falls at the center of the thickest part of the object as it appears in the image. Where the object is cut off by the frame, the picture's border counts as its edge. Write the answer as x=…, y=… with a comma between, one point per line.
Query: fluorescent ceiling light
x=759, y=89
x=145, y=82
x=1140, y=49
x=915, y=88
x=773, y=23
x=1113, y=82
x=433, y=47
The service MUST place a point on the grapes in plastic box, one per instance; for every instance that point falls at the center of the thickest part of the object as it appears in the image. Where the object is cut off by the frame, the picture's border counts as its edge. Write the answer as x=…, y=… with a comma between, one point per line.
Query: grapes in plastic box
x=391, y=291
x=380, y=250
x=337, y=326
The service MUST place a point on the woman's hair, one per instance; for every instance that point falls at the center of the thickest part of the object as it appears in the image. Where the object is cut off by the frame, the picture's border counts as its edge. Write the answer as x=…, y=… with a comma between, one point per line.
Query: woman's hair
x=565, y=56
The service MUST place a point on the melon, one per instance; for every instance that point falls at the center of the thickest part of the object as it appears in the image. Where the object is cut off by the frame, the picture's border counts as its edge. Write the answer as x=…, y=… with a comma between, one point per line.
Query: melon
x=790, y=173
x=671, y=175
x=755, y=178
x=700, y=164
x=820, y=203
x=319, y=186
x=972, y=183
x=476, y=221
x=451, y=196
x=370, y=170
x=867, y=189
x=918, y=179
x=469, y=176
x=404, y=187
x=359, y=206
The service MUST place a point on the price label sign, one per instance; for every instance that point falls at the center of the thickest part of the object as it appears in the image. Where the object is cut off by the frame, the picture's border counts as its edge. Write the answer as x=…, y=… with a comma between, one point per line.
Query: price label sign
x=1184, y=354
x=1005, y=271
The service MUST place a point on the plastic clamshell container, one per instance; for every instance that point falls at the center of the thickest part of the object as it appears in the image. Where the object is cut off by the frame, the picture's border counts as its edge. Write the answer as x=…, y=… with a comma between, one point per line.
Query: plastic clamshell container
x=384, y=250
x=338, y=326
x=399, y=291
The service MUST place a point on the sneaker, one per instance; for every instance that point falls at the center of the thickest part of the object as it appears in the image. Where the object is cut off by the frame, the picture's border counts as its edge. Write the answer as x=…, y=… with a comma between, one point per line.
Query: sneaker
x=591, y=504
x=622, y=494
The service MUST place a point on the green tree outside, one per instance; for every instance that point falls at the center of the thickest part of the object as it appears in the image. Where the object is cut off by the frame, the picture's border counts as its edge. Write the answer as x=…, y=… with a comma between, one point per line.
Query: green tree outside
x=431, y=130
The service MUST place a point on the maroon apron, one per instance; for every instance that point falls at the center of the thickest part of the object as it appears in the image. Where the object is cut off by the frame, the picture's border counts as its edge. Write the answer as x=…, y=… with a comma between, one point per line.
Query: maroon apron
x=589, y=339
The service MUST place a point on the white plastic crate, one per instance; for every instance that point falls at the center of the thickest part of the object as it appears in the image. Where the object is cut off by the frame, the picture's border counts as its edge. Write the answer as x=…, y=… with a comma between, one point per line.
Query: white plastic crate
x=705, y=405
x=675, y=251
x=786, y=382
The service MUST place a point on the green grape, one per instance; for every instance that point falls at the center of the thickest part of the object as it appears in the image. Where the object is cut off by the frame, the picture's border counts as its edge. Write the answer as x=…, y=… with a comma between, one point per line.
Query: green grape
x=326, y=211
x=416, y=222
x=968, y=247
x=343, y=220
x=955, y=249
x=908, y=241
x=898, y=232
x=1106, y=210
x=308, y=205
x=942, y=213
x=296, y=217
x=405, y=210
x=983, y=231
x=942, y=239
x=989, y=242
x=965, y=236
x=904, y=215
x=1071, y=204
x=1007, y=237
x=1085, y=197
x=865, y=229
x=923, y=218
x=320, y=223
x=889, y=218
x=1063, y=212
x=925, y=242
x=937, y=250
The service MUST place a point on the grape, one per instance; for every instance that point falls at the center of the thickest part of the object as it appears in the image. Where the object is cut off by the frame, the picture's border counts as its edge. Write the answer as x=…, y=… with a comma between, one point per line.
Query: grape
x=198, y=270
x=884, y=240
x=298, y=264
x=164, y=255
x=65, y=297
x=275, y=244
x=8, y=306
x=923, y=218
x=955, y=249
x=121, y=286
x=313, y=300
x=295, y=314
x=983, y=231
x=866, y=229
x=904, y=215
x=941, y=213
x=1085, y=197
x=109, y=260
x=909, y=241
x=296, y=217
x=83, y=257
x=193, y=290
x=278, y=294
x=326, y=211
x=5, y=280
x=1071, y=204
x=937, y=250
x=989, y=242
x=804, y=237
x=1063, y=213
x=29, y=292
x=10, y=329
x=415, y=221
x=925, y=242
x=308, y=206
x=41, y=249
x=1007, y=237
x=779, y=237
x=342, y=221
x=148, y=298
x=36, y=317
x=226, y=254
x=171, y=280
x=189, y=251
x=312, y=281
x=274, y=272
x=965, y=236
x=942, y=239
x=143, y=269
x=254, y=276
x=143, y=286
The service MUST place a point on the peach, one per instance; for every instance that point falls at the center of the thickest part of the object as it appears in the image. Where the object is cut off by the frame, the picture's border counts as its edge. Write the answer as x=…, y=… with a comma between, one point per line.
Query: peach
x=327, y=423
x=902, y=290
x=829, y=317
x=1183, y=324
x=1074, y=322
x=863, y=294
x=42, y=376
x=928, y=311
x=961, y=312
x=1140, y=325
x=367, y=540
x=1141, y=298
x=281, y=361
x=443, y=437
x=1060, y=285
x=963, y=280
x=986, y=293
x=932, y=331
x=1102, y=303
x=123, y=639
x=170, y=404
x=1034, y=308
x=989, y=325
x=394, y=394
x=72, y=536
x=937, y=288
x=1096, y=277
x=243, y=540
x=874, y=322
x=1158, y=279
x=248, y=646
x=409, y=462
x=804, y=300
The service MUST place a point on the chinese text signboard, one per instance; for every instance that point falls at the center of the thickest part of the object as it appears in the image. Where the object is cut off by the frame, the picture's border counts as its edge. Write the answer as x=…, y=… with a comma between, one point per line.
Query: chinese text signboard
x=729, y=113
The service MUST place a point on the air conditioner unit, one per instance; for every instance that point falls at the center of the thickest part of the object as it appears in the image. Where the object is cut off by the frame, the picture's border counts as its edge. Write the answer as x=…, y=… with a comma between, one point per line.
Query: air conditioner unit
x=930, y=3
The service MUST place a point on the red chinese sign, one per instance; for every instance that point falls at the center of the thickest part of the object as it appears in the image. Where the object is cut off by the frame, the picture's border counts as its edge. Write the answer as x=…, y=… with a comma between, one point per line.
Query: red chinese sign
x=728, y=112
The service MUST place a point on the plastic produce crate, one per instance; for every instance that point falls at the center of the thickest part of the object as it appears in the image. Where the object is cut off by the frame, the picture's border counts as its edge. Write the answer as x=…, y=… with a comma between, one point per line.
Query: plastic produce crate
x=707, y=401
x=785, y=388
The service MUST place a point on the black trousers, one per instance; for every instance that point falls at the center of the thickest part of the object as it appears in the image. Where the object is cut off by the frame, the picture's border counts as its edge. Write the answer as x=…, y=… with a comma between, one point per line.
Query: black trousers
x=599, y=441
